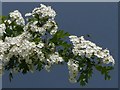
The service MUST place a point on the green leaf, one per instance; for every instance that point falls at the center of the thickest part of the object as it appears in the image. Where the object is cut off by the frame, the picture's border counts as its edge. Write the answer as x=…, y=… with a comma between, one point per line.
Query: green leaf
x=99, y=68
x=9, y=32
x=86, y=72
x=12, y=63
x=61, y=34
x=105, y=71
x=107, y=77
x=37, y=40
x=17, y=30
x=10, y=76
x=32, y=19
x=110, y=68
x=82, y=79
x=2, y=19
x=65, y=44
x=23, y=66
x=39, y=66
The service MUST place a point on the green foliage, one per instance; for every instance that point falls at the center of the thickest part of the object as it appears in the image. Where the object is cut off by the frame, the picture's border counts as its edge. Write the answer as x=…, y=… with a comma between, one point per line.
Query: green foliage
x=39, y=66
x=23, y=66
x=10, y=76
x=12, y=63
x=2, y=19
x=59, y=39
x=58, y=36
x=105, y=71
x=86, y=72
x=61, y=34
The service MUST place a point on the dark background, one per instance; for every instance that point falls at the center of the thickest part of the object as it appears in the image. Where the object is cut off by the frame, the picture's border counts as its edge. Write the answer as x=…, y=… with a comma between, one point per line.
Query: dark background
x=100, y=20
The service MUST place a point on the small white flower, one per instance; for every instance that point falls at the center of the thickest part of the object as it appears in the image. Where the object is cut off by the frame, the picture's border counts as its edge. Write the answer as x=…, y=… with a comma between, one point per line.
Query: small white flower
x=40, y=45
x=2, y=29
x=74, y=39
x=55, y=58
x=17, y=17
x=9, y=22
x=47, y=67
x=28, y=14
x=53, y=32
x=72, y=80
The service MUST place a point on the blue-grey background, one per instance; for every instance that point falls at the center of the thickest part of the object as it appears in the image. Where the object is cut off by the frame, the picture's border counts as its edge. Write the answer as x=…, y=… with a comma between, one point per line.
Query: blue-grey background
x=100, y=20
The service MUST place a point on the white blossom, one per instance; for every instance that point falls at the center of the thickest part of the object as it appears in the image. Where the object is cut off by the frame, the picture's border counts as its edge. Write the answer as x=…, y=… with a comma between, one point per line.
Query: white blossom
x=87, y=48
x=73, y=70
x=54, y=30
x=22, y=47
x=8, y=21
x=48, y=24
x=54, y=58
x=2, y=29
x=51, y=26
x=40, y=45
x=74, y=39
x=44, y=11
x=47, y=67
x=17, y=17
x=28, y=14
x=35, y=28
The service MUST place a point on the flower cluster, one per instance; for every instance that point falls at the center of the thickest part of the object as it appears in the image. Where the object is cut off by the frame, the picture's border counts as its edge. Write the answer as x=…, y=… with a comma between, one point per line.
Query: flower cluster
x=17, y=17
x=73, y=70
x=2, y=29
x=38, y=43
x=53, y=59
x=88, y=49
x=23, y=48
x=34, y=28
x=43, y=11
x=47, y=24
